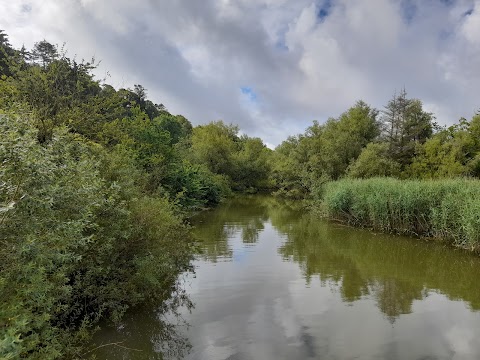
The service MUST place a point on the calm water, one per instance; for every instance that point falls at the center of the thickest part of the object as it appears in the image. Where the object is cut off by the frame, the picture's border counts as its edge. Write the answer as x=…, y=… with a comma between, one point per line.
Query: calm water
x=273, y=282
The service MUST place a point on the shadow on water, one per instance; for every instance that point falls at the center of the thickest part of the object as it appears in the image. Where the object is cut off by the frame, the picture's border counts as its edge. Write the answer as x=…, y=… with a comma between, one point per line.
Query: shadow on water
x=147, y=333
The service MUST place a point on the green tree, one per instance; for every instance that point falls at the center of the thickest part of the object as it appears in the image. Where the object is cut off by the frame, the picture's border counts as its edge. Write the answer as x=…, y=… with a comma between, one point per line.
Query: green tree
x=290, y=173
x=214, y=145
x=76, y=248
x=405, y=125
x=44, y=53
x=252, y=164
x=374, y=161
x=6, y=54
x=324, y=152
x=450, y=153
x=342, y=140
x=177, y=126
x=56, y=90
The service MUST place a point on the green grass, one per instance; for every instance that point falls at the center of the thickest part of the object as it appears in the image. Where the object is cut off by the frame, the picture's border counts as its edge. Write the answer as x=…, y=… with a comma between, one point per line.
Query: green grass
x=445, y=209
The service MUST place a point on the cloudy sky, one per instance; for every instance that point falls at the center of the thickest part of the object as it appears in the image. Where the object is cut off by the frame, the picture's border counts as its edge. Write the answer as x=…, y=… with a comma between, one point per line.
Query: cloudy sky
x=270, y=66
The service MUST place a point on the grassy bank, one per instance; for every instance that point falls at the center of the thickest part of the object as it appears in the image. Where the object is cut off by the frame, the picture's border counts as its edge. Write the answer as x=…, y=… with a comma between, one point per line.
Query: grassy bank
x=444, y=209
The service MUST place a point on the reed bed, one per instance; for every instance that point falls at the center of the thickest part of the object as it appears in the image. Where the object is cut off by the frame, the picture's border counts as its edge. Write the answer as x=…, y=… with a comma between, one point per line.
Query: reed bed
x=444, y=209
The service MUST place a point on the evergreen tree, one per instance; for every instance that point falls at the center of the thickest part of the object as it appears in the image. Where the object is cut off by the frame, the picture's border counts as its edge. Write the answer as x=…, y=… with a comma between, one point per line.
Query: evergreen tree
x=405, y=124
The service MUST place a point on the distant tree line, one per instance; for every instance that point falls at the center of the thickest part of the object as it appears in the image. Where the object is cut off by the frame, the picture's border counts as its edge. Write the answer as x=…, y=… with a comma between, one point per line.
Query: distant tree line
x=401, y=141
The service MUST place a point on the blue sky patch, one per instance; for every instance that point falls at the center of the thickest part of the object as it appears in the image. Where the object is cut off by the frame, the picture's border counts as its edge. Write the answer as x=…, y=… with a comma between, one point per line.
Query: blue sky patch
x=248, y=91
x=281, y=45
x=325, y=9
x=448, y=2
x=409, y=10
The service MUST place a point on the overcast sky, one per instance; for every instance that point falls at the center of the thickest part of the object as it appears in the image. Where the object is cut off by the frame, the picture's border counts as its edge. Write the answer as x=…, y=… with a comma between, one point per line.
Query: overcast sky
x=270, y=66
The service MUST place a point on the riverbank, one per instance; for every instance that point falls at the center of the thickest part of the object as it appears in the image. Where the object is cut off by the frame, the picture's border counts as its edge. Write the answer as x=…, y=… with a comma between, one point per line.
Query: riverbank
x=442, y=209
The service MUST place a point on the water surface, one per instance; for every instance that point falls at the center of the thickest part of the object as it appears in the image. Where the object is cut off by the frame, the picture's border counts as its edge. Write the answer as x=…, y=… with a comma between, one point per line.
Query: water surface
x=274, y=282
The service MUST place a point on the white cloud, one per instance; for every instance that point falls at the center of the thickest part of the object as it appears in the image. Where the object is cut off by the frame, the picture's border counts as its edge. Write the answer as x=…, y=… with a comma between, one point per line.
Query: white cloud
x=195, y=56
x=471, y=26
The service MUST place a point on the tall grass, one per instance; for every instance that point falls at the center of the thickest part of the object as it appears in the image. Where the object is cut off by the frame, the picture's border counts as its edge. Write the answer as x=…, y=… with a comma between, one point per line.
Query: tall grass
x=445, y=209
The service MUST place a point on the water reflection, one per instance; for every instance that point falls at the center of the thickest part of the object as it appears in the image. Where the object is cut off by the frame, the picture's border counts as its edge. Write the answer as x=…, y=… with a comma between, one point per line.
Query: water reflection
x=146, y=333
x=246, y=215
x=310, y=289
x=274, y=282
x=395, y=271
x=392, y=270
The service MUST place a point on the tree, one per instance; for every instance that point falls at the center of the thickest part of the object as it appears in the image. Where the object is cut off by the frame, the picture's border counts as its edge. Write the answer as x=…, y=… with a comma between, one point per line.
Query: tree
x=374, y=161
x=71, y=240
x=177, y=126
x=289, y=170
x=452, y=152
x=6, y=54
x=214, y=145
x=405, y=124
x=45, y=53
x=341, y=140
x=251, y=164
x=324, y=152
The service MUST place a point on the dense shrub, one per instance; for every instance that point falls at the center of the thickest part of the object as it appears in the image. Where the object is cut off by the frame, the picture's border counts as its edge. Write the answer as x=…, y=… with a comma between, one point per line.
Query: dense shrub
x=75, y=248
x=195, y=186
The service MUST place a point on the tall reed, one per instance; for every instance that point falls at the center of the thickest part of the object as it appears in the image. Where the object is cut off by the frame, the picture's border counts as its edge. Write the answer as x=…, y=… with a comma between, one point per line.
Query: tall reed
x=445, y=209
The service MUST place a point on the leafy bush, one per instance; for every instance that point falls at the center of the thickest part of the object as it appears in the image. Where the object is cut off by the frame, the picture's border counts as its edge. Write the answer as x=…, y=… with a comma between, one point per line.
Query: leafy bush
x=194, y=186
x=75, y=248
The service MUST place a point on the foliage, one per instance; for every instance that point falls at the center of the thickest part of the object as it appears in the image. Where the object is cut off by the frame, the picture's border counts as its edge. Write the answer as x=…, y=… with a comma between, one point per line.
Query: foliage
x=95, y=184
x=342, y=140
x=405, y=124
x=93, y=187
x=214, y=145
x=6, y=54
x=195, y=186
x=450, y=153
x=252, y=167
x=374, y=161
x=240, y=159
x=75, y=248
x=324, y=152
x=289, y=171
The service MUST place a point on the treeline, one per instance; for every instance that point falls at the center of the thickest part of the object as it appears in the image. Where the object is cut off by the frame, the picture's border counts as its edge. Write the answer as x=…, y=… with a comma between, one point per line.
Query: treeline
x=401, y=141
x=95, y=184
x=393, y=170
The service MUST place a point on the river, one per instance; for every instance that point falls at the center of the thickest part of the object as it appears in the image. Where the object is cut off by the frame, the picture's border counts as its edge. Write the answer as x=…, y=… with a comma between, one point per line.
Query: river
x=275, y=282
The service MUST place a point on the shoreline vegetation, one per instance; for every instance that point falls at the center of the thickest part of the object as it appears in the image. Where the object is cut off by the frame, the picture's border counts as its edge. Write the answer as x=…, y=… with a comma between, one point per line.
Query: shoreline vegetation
x=447, y=210
x=97, y=184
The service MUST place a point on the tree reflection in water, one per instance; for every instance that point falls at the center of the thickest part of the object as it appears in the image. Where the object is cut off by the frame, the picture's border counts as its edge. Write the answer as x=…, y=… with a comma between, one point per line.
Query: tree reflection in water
x=395, y=271
x=148, y=332
x=390, y=272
